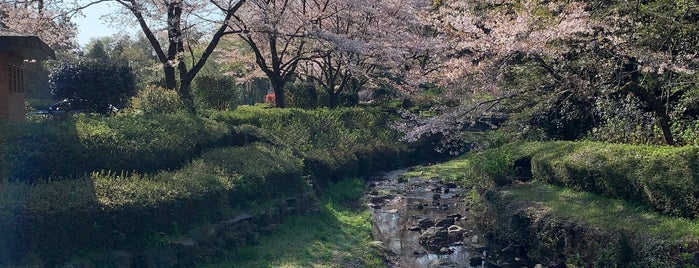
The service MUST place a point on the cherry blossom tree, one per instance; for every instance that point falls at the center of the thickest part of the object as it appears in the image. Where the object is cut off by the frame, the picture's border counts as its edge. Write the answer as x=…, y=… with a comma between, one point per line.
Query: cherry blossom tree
x=331, y=42
x=184, y=24
x=366, y=42
x=548, y=64
x=44, y=18
x=278, y=33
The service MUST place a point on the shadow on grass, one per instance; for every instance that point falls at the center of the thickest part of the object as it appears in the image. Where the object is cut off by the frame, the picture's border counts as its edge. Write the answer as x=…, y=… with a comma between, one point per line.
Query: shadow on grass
x=335, y=237
x=610, y=214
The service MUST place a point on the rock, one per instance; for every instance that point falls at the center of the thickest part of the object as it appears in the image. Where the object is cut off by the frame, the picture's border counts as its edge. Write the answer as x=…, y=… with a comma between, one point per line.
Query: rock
x=425, y=223
x=420, y=207
x=450, y=185
x=381, y=247
x=436, y=197
x=446, y=251
x=161, y=257
x=434, y=238
x=444, y=206
x=186, y=250
x=475, y=261
x=455, y=233
x=446, y=222
x=443, y=263
x=414, y=228
x=419, y=253
x=456, y=216
x=376, y=199
x=490, y=264
x=375, y=206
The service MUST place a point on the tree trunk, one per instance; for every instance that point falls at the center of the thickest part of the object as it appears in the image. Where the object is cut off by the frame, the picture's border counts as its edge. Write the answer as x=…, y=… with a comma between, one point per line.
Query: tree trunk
x=332, y=100
x=185, y=93
x=657, y=107
x=278, y=86
x=170, y=77
x=664, y=123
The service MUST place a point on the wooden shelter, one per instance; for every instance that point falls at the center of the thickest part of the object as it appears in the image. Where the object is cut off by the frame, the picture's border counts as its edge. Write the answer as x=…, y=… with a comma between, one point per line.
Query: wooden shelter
x=15, y=48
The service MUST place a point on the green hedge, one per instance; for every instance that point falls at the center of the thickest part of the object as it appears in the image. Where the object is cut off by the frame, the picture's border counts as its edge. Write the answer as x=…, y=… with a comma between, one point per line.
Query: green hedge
x=334, y=144
x=147, y=143
x=52, y=221
x=73, y=147
x=662, y=177
x=134, y=176
x=665, y=178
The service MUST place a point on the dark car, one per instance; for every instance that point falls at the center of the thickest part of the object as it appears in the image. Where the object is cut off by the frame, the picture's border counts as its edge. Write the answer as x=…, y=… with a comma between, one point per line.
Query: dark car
x=74, y=106
x=66, y=106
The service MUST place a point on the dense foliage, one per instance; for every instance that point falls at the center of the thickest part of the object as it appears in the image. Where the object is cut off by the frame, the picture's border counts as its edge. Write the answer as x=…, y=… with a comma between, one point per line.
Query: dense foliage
x=620, y=71
x=95, y=84
x=130, y=176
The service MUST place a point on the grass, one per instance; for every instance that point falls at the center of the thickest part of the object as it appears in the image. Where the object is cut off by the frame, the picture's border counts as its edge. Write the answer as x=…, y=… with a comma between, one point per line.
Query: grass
x=336, y=237
x=610, y=214
x=460, y=170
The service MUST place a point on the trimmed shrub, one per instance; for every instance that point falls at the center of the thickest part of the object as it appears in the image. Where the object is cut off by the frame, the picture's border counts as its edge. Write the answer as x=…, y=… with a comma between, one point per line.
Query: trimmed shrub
x=105, y=210
x=77, y=146
x=216, y=92
x=156, y=100
x=661, y=177
x=333, y=143
x=96, y=84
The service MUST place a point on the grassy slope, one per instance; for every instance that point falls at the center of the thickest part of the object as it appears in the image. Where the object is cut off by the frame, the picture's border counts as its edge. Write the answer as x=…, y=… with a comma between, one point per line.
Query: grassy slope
x=476, y=170
x=336, y=237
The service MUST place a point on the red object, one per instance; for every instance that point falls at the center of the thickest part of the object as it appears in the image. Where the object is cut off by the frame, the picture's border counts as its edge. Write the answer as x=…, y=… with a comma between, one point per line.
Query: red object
x=270, y=98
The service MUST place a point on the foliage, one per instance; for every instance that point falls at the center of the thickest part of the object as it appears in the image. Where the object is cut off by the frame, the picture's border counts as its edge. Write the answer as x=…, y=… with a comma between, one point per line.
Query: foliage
x=558, y=224
x=339, y=237
x=136, y=51
x=184, y=26
x=131, y=176
x=76, y=146
x=612, y=71
x=155, y=100
x=120, y=211
x=346, y=142
x=303, y=95
x=660, y=177
x=216, y=92
x=45, y=19
x=323, y=42
x=95, y=84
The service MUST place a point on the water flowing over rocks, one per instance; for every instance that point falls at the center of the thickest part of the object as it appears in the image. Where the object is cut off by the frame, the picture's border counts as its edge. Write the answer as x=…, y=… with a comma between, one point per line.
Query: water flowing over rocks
x=429, y=224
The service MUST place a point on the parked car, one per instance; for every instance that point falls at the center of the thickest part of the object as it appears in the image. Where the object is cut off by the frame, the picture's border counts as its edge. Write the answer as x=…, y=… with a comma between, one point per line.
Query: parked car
x=67, y=106
x=71, y=106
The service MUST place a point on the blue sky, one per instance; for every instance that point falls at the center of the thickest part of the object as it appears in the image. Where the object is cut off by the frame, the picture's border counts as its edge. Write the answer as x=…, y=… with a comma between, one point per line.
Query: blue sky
x=92, y=26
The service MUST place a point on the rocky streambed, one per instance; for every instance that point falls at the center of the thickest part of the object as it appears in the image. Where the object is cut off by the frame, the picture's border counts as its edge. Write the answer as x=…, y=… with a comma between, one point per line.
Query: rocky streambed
x=429, y=224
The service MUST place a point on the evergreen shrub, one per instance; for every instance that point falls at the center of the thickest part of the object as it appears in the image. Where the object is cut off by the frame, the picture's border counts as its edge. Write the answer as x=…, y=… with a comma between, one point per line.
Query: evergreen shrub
x=60, y=149
x=97, y=84
x=663, y=178
x=120, y=211
x=156, y=100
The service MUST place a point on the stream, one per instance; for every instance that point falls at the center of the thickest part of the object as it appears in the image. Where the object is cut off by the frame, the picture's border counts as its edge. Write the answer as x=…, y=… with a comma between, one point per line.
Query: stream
x=428, y=224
